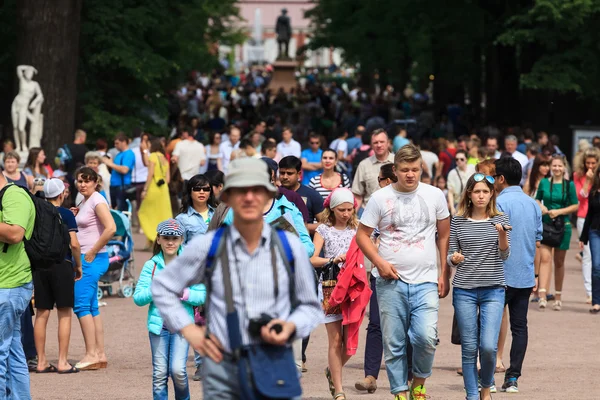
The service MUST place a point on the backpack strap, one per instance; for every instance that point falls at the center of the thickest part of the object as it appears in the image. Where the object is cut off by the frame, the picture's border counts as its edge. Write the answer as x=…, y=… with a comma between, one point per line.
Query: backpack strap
x=213, y=250
x=286, y=249
x=283, y=245
x=216, y=246
x=4, y=189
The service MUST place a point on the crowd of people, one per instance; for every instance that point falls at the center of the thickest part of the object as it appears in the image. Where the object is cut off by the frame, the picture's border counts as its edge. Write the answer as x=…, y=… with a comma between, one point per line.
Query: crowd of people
x=362, y=216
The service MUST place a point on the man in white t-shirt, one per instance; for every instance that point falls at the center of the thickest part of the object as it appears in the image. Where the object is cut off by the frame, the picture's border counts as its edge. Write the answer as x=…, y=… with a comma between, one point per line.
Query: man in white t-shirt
x=431, y=160
x=228, y=146
x=408, y=215
x=289, y=147
x=189, y=154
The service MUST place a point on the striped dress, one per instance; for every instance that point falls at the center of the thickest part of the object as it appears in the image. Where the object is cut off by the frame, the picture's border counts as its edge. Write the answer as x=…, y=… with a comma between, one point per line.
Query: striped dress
x=315, y=183
x=478, y=242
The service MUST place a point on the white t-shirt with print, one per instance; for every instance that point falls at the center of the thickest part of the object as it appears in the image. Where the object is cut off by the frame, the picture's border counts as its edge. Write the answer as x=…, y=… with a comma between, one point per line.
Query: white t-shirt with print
x=407, y=223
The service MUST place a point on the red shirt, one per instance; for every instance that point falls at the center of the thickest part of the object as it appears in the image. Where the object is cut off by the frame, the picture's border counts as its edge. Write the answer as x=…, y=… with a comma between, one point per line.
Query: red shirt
x=447, y=160
x=583, y=201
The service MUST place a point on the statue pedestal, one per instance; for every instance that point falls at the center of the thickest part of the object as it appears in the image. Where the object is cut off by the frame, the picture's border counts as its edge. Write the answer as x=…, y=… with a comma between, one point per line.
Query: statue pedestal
x=284, y=75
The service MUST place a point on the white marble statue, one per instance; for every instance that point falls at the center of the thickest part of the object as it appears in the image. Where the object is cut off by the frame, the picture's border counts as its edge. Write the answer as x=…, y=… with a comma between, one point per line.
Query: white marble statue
x=27, y=106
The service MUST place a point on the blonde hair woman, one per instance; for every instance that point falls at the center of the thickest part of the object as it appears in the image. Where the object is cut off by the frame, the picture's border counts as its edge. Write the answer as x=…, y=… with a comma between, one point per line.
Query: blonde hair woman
x=557, y=198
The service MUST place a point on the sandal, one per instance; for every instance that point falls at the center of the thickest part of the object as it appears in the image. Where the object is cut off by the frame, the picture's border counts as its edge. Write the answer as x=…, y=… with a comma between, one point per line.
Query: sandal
x=340, y=396
x=330, y=381
x=543, y=302
x=595, y=310
x=71, y=370
x=49, y=369
x=557, y=303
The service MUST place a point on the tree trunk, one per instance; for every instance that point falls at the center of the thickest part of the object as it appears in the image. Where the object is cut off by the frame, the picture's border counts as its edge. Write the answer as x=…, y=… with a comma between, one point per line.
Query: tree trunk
x=48, y=39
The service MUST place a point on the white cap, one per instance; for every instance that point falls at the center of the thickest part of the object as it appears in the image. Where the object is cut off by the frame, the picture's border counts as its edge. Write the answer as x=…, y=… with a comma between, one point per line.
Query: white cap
x=53, y=188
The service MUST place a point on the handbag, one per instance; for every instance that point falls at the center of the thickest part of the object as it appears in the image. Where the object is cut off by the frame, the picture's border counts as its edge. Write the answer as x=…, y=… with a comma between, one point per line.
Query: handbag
x=554, y=231
x=264, y=371
x=330, y=274
x=161, y=181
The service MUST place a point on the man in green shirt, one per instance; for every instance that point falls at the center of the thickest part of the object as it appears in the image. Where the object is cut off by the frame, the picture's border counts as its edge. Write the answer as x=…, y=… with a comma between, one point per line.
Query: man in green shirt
x=17, y=219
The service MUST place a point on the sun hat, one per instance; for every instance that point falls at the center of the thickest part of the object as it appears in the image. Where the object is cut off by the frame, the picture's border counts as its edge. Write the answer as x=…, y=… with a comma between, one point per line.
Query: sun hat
x=170, y=227
x=248, y=172
x=340, y=196
x=53, y=188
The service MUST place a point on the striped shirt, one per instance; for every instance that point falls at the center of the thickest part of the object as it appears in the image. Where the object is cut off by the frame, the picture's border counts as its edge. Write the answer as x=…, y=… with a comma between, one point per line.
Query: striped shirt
x=250, y=300
x=315, y=183
x=478, y=242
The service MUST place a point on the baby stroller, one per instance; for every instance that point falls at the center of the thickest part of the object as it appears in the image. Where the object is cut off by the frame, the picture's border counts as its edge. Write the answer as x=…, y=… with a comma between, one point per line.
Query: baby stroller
x=121, y=257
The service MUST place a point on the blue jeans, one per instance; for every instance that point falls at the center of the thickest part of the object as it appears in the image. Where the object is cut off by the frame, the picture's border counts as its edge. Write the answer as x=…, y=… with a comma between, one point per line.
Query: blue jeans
x=408, y=312
x=14, y=375
x=169, y=356
x=595, y=249
x=479, y=316
x=86, y=289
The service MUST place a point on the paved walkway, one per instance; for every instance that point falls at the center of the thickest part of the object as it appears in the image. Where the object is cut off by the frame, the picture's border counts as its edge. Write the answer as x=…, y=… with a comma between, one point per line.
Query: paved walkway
x=561, y=363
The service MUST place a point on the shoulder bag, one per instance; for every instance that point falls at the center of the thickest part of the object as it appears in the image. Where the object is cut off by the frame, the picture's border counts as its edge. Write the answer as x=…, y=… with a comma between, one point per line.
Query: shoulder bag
x=554, y=231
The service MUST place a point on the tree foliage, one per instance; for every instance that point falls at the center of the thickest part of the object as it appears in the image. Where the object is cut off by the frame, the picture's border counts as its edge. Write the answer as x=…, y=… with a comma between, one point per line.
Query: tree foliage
x=131, y=54
x=131, y=58
x=565, y=38
x=502, y=47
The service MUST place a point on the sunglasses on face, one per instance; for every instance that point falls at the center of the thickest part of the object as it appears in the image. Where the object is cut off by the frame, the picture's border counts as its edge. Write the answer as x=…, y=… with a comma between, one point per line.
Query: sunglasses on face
x=480, y=177
x=460, y=159
x=205, y=189
x=315, y=143
x=380, y=179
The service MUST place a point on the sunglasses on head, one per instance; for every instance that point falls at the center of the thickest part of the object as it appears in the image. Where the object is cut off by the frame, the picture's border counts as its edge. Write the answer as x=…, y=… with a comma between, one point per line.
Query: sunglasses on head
x=201, y=189
x=480, y=177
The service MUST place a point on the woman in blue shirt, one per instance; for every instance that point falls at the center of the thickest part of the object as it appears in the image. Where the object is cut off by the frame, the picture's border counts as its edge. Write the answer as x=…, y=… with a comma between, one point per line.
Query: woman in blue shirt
x=197, y=207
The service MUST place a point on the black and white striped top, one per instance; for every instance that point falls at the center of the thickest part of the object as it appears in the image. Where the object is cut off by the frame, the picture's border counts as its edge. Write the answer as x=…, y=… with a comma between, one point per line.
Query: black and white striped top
x=315, y=183
x=478, y=242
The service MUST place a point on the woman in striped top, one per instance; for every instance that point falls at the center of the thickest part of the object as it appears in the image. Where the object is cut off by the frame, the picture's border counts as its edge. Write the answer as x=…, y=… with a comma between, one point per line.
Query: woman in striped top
x=329, y=179
x=479, y=242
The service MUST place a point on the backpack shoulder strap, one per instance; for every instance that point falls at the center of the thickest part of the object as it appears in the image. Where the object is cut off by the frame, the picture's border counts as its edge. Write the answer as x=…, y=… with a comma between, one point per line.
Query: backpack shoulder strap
x=214, y=249
x=2, y=192
x=288, y=259
x=153, y=269
x=4, y=189
x=286, y=249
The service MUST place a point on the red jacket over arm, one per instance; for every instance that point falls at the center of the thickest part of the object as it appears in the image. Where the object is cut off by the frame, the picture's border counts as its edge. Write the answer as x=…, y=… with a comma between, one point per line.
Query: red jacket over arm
x=353, y=292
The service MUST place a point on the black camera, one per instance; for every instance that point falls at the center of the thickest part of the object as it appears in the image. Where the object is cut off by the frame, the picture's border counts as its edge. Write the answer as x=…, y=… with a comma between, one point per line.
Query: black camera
x=160, y=182
x=256, y=324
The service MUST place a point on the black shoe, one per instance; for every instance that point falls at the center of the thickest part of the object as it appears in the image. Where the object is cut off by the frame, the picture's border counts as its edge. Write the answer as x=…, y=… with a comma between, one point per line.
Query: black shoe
x=198, y=374
x=510, y=386
x=32, y=364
